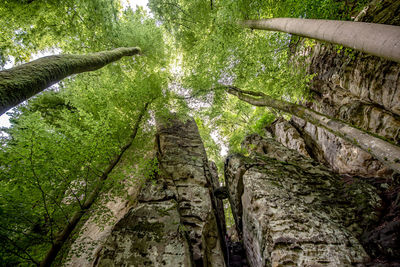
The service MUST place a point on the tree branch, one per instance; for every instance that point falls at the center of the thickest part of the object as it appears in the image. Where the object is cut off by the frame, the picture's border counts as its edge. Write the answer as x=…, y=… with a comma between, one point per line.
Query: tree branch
x=385, y=152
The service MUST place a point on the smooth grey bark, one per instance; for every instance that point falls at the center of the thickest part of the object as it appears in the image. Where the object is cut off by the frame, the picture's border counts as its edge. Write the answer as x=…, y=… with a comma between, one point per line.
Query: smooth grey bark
x=376, y=39
x=20, y=83
x=63, y=235
x=382, y=150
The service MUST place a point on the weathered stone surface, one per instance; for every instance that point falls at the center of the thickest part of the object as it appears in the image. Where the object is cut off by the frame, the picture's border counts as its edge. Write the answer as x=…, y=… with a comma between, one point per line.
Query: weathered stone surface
x=342, y=156
x=327, y=148
x=150, y=234
x=346, y=88
x=292, y=211
x=288, y=136
x=381, y=11
x=174, y=223
x=382, y=241
x=339, y=103
x=358, y=88
x=370, y=79
x=218, y=205
x=184, y=162
x=364, y=91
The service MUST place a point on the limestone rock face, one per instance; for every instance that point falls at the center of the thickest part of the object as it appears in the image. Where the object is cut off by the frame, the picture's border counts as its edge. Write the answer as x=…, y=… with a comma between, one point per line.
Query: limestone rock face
x=340, y=155
x=149, y=234
x=292, y=211
x=174, y=223
x=325, y=147
x=361, y=90
x=358, y=88
x=92, y=236
x=288, y=136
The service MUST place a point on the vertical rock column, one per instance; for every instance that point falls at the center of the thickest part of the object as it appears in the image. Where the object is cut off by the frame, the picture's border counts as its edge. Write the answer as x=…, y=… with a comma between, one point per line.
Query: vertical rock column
x=184, y=165
x=174, y=222
x=292, y=211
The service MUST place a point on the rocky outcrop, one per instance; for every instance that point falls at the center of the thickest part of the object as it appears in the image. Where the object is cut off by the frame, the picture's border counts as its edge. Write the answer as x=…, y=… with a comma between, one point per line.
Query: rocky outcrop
x=361, y=90
x=368, y=79
x=92, y=235
x=288, y=136
x=323, y=146
x=358, y=88
x=292, y=211
x=382, y=241
x=174, y=222
x=150, y=234
x=340, y=155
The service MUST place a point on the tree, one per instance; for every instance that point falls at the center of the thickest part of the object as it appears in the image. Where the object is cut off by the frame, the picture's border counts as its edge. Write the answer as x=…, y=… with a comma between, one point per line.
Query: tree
x=376, y=39
x=384, y=151
x=19, y=83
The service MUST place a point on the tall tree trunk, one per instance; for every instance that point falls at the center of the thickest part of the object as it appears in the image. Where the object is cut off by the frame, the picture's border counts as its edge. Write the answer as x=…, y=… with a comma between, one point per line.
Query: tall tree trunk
x=384, y=151
x=19, y=83
x=73, y=222
x=376, y=39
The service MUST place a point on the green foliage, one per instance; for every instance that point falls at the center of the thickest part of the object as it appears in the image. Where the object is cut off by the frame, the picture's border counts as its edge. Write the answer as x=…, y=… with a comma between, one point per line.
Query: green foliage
x=313, y=9
x=31, y=26
x=61, y=142
x=211, y=143
x=136, y=28
x=151, y=169
x=216, y=52
x=229, y=220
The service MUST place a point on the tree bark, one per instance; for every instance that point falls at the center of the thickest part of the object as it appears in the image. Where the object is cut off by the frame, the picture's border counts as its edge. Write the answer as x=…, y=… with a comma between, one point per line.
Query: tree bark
x=66, y=232
x=19, y=83
x=376, y=39
x=382, y=150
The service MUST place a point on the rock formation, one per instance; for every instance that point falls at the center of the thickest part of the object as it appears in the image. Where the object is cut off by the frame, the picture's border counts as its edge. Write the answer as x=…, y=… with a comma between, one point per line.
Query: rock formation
x=364, y=91
x=357, y=88
x=293, y=211
x=175, y=220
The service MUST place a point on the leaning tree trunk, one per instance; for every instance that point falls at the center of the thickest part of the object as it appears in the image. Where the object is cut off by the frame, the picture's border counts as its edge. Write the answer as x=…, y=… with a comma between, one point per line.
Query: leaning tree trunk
x=19, y=83
x=376, y=39
x=384, y=151
x=63, y=235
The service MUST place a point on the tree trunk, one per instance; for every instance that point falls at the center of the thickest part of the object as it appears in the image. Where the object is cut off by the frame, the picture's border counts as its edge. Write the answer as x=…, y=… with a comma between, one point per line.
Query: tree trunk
x=19, y=83
x=382, y=150
x=66, y=232
x=375, y=39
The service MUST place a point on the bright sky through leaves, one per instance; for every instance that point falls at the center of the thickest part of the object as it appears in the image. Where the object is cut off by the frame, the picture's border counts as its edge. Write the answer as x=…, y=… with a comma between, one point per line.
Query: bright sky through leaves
x=134, y=3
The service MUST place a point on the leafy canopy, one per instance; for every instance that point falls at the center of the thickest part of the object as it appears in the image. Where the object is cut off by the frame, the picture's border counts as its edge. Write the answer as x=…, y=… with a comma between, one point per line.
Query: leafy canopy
x=61, y=141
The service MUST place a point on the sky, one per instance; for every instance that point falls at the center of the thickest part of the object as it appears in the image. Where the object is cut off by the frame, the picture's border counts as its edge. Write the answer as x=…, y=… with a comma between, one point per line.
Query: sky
x=134, y=3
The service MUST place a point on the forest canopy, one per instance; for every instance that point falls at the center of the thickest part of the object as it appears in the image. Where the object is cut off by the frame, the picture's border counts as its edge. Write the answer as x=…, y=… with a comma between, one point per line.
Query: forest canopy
x=64, y=143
